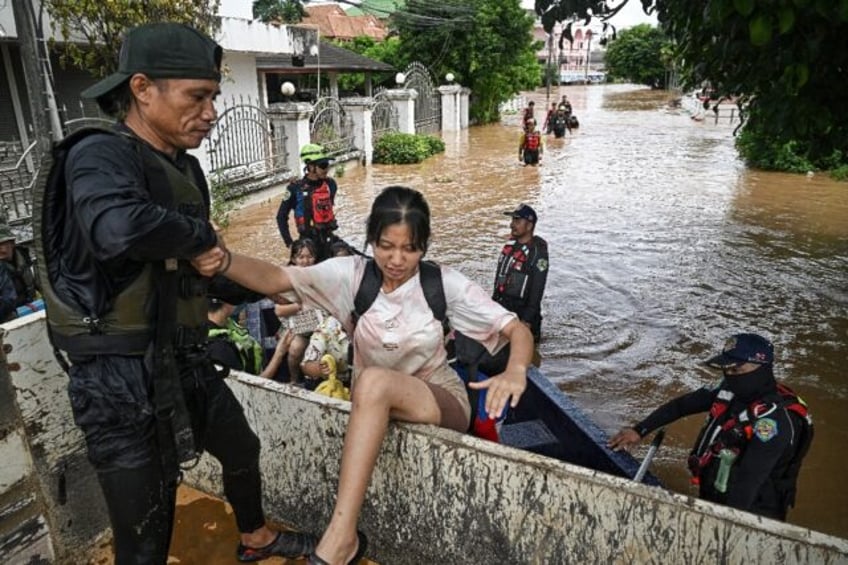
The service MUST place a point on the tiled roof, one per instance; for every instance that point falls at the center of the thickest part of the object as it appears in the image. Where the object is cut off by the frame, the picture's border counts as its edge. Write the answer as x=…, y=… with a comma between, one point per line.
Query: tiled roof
x=334, y=23
x=333, y=58
x=380, y=8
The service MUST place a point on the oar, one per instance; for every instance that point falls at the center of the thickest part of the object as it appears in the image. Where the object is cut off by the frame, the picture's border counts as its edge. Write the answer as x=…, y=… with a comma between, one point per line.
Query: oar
x=652, y=450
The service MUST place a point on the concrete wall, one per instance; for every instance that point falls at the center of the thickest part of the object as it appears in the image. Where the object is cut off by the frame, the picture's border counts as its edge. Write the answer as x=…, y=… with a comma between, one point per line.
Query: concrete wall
x=436, y=496
x=51, y=508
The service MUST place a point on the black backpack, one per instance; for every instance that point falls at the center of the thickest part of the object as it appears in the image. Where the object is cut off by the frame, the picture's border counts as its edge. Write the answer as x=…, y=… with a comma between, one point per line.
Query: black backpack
x=467, y=352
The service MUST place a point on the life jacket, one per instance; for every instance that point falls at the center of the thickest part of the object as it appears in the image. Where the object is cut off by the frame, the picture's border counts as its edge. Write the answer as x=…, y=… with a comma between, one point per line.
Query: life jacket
x=316, y=203
x=126, y=327
x=532, y=141
x=512, y=278
x=467, y=352
x=725, y=430
x=249, y=350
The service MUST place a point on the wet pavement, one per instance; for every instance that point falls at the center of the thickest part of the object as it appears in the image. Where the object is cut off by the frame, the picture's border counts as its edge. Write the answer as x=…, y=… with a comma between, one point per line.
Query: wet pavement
x=662, y=244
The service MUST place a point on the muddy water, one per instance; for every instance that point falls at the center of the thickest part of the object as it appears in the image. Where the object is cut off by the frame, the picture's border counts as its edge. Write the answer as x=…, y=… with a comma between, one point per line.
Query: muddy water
x=661, y=245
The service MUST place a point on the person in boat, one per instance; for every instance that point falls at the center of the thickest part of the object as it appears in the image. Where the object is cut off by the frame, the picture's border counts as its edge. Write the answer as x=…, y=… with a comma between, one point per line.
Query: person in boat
x=312, y=199
x=20, y=266
x=231, y=345
x=531, y=145
x=302, y=321
x=749, y=452
x=520, y=280
x=129, y=310
x=401, y=369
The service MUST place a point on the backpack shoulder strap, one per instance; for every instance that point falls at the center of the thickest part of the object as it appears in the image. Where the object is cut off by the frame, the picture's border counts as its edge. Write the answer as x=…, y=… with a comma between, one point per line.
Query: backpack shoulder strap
x=369, y=288
x=431, y=283
x=434, y=289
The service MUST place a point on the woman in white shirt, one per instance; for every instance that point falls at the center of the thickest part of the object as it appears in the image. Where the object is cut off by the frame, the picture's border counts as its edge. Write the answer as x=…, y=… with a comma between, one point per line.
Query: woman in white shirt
x=400, y=363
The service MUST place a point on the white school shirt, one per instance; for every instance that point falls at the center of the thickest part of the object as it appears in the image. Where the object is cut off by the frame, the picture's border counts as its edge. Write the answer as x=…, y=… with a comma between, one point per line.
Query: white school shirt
x=399, y=331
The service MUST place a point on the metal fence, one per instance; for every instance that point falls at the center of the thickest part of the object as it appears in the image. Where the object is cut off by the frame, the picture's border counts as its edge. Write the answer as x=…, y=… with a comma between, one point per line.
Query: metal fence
x=428, y=104
x=384, y=116
x=332, y=127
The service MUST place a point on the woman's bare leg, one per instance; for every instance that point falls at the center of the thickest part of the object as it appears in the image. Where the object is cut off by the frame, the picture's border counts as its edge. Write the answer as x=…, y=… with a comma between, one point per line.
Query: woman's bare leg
x=378, y=395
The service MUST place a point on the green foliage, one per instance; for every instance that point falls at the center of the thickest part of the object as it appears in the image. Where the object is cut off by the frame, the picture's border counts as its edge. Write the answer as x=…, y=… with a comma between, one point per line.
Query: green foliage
x=288, y=11
x=487, y=45
x=223, y=203
x=840, y=173
x=637, y=55
x=386, y=51
x=785, y=61
x=101, y=24
x=406, y=148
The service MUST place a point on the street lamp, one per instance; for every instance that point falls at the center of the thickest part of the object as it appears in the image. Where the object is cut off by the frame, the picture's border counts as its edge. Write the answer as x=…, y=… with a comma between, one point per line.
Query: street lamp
x=449, y=77
x=400, y=78
x=287, y=89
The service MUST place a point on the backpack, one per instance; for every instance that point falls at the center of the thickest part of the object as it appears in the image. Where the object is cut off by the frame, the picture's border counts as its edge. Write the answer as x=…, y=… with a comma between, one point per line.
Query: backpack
x=467, y=351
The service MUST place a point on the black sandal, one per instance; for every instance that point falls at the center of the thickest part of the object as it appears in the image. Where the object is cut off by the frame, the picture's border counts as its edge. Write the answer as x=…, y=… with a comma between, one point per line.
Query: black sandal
x=313, y=558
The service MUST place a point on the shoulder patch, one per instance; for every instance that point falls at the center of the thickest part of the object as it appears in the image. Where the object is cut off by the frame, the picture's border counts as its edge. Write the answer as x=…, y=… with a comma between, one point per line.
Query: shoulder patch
x=286, y=194
x=542, y=265
x=765, y=429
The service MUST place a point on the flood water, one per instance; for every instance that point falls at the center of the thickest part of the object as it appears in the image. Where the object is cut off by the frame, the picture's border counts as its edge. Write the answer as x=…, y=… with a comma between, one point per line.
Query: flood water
x=662, y=244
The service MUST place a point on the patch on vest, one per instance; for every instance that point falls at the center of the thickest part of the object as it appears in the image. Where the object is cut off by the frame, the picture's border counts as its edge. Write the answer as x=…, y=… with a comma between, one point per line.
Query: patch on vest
x=765, y=429
x=542, y=265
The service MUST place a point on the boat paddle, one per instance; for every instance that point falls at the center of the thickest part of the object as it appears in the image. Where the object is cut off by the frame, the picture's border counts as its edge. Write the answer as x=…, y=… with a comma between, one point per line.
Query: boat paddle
x=652, y=450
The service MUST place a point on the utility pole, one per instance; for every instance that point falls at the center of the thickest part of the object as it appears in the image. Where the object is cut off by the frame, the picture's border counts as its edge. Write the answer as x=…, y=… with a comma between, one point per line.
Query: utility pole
x=548, y=70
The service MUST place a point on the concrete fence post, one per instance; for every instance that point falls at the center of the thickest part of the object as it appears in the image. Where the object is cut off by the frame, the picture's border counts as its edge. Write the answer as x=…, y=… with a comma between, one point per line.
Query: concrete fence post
x=464, y=95
x=404, y=102
x=363, y=131
x=450, y=107
x=294, y=118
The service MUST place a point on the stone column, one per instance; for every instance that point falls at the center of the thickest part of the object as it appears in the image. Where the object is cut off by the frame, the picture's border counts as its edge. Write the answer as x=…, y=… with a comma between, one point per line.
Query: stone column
x=464, y=96
x=363, y=137
x=292, y=118
x=404, y=102
x=450, y=107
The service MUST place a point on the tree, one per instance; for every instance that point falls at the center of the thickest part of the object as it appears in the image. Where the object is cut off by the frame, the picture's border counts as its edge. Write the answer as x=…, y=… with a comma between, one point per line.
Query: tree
x=784, y=61
x=487, y=45
x=636, y=55
x=386, y=51
x=102, y=25
x=288, y=11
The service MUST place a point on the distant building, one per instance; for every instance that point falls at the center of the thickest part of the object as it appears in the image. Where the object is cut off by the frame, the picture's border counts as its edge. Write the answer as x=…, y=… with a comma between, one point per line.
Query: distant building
x=579, y=60
x=334, y=23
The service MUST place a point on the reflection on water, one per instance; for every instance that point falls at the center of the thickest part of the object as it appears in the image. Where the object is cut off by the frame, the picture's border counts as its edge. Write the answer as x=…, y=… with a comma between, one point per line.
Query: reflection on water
x=661, y=245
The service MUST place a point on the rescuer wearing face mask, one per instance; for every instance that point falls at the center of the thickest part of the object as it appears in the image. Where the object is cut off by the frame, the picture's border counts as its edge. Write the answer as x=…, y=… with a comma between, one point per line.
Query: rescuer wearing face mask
x=757, y=431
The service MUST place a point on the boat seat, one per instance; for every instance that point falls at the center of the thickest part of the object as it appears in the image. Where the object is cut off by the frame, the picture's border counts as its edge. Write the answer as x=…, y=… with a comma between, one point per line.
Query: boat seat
x=532, y=435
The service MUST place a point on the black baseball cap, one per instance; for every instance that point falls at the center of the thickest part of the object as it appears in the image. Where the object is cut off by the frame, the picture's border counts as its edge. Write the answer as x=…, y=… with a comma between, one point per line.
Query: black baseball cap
x=523, y=211
x=743, y=348
x=163, y=50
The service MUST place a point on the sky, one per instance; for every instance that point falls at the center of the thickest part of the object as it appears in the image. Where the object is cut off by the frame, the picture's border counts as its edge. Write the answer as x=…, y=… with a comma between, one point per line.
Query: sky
x=631, y=15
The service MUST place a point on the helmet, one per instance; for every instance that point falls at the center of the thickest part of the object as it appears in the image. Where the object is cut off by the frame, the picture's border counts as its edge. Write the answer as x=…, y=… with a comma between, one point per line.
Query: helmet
x=312, y=152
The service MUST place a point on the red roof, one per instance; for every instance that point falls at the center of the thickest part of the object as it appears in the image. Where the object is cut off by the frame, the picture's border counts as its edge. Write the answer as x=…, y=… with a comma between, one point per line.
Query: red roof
x=333, y=22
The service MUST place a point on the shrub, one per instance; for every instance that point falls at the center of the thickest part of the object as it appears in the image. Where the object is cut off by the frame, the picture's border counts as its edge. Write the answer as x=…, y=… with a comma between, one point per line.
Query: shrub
x=840, y=173
x=406, y=148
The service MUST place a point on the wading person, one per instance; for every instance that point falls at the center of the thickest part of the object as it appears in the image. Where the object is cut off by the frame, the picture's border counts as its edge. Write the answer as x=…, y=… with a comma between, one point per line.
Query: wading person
x=400, y=362
x=129, y=309
x=312, y=199
x=19, y=265
x=757, y=431
x=531, y=144
x=520, y=279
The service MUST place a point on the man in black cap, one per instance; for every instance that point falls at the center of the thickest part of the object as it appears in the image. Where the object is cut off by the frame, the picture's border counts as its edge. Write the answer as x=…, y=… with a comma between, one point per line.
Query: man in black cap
x=126, y=304
x=520, y=279
x=749, y=452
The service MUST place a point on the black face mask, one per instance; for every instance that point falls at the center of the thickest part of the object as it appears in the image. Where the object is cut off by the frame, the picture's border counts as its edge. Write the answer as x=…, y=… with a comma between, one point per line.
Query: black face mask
x=750, y=386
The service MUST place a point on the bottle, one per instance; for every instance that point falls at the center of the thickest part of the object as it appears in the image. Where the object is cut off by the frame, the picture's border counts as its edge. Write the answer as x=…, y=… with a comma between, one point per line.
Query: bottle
x=726, y=459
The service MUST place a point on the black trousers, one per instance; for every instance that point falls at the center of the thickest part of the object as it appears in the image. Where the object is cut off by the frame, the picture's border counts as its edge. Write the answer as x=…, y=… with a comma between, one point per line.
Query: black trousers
x=111, y=401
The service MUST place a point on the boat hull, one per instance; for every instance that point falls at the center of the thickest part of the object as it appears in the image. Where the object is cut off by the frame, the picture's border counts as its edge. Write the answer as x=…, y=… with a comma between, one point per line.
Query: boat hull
x=436, y=496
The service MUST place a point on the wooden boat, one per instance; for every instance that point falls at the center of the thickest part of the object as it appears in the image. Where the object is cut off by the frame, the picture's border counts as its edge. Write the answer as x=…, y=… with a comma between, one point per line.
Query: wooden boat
x=435, y=496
